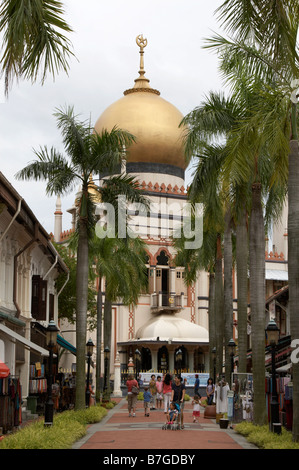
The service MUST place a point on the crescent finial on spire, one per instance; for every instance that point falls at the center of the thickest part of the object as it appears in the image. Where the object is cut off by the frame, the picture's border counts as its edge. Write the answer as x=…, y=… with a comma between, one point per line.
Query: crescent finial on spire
x=141, y=83
x=141, y=41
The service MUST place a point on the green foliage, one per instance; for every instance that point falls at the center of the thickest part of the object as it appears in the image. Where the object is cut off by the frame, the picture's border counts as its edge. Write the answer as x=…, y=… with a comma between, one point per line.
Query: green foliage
x=67, y=298
x=187, y=397
x=33, y=40
x=68, y=427
x=262, y=437
x=109, y=405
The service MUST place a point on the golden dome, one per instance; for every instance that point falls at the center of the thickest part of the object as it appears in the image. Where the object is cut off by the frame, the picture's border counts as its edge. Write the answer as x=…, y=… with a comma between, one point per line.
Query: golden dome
x=152, y=120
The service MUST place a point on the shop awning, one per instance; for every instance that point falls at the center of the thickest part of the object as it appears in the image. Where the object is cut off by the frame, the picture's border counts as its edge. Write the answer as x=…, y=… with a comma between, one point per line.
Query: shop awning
x=66, y=345
x=4, y=370
x=27, y=343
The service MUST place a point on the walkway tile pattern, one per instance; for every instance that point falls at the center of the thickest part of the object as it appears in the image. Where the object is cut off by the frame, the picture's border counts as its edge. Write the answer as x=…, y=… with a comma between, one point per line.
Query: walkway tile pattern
x=119, y=431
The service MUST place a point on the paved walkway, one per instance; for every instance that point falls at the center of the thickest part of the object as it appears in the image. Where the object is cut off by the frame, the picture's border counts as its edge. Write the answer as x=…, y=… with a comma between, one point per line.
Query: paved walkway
x=119, y=431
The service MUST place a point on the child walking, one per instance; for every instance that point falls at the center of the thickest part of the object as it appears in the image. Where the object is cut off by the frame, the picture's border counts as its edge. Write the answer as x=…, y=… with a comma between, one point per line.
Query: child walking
x=146, y=400
x=196, y=408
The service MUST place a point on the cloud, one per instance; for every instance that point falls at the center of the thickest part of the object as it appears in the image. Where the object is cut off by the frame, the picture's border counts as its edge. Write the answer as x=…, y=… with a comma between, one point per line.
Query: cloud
x=106, y=64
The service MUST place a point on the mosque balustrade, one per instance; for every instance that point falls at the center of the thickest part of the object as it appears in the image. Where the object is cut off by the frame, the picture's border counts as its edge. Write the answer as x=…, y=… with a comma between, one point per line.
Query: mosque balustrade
x=166, y=301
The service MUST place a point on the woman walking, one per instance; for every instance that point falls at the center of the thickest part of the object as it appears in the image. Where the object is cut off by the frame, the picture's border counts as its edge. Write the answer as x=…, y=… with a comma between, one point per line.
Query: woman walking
x=167, y=390
x=210, y=391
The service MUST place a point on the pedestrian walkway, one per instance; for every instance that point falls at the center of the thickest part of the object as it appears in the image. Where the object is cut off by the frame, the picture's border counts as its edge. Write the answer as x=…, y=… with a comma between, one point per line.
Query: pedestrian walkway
x=119, y=431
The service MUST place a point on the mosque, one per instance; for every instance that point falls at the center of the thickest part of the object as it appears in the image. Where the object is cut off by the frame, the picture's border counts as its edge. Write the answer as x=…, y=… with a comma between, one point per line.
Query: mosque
x=169, y=316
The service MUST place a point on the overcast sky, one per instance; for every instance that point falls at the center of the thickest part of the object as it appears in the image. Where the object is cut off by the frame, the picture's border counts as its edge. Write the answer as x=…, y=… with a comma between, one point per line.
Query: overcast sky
x=106, y=64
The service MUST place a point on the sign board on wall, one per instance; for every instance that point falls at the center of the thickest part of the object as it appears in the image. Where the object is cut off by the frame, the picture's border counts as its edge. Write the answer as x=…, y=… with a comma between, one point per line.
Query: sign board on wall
x=203, y=378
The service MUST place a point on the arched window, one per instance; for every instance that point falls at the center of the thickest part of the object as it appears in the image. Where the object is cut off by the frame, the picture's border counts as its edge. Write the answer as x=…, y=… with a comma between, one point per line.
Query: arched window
x=162, y=258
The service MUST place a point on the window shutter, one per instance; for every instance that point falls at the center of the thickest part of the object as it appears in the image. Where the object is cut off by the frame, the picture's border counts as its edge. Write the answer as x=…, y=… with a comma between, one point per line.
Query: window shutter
x=39, y=298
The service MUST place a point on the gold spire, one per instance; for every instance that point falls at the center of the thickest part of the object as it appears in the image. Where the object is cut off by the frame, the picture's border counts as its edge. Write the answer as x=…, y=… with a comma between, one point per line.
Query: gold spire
x=141, y=83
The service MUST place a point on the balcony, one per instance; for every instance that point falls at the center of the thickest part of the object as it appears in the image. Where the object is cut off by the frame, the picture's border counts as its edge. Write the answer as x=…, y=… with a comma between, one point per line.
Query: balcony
x=166, y=302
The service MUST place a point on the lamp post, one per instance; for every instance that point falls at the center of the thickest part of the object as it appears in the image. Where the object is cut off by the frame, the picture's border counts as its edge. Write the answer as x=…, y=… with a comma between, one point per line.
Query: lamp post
x=51, y=335
x=214, y=362
x=89, y=351
x=231, y=348
x=106, y=362
x=272, y=332
x=179, y=357
x=137, y=359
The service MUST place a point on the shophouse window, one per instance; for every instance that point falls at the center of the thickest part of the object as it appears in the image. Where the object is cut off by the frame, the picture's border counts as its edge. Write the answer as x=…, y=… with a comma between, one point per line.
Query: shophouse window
x=39, y=299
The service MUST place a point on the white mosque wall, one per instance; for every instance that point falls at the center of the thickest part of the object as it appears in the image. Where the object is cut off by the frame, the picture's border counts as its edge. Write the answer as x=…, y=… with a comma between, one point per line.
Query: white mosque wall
x=279, y=234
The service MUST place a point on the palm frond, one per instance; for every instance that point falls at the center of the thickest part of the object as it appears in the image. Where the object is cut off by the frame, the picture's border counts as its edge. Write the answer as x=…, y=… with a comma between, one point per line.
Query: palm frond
x=108, y=149
x=269, y=25
x=50, y=166
x=33, y=39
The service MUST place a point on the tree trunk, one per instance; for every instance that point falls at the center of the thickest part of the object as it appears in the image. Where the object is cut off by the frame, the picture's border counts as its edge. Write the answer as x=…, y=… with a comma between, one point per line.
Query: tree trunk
x=81, y=314
x=228, y=292
x=293, y=266
x=242, y=289
x=99, y=340
x=212, y=325
x=107, y=338
x=257, y=303
x=219, y=301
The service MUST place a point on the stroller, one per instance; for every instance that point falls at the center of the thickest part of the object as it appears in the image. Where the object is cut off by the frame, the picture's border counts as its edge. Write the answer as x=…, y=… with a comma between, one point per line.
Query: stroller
x=175, y=424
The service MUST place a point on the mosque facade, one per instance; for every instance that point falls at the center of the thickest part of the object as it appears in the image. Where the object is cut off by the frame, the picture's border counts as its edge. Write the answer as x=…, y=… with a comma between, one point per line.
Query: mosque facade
x=170, y=316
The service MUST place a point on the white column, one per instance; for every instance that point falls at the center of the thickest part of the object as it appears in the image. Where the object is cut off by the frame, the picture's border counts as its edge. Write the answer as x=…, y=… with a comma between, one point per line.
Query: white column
x=117, y=377
x=286, y=245
x=58, y=220
x=172, y=281
x=154, y=279
x=171, y=358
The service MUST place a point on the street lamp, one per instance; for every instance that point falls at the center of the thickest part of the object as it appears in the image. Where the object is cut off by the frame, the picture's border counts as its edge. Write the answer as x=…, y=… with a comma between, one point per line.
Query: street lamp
x=137, y=359
x=179, y=358
x=214, y=362
x=231, y=348
x=51, y=337
x=106, y=363
x=272, y=332
x=89, y=351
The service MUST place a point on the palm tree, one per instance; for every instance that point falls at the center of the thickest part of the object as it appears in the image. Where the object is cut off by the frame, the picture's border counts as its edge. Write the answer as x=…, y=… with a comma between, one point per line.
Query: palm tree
x=121, y=263
x=194, y=261
x=34, y=41
x=214, y=119
x=88, y=153
x=228, y=289
x=206, y=189
x=263, y=50
x=242, y=287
